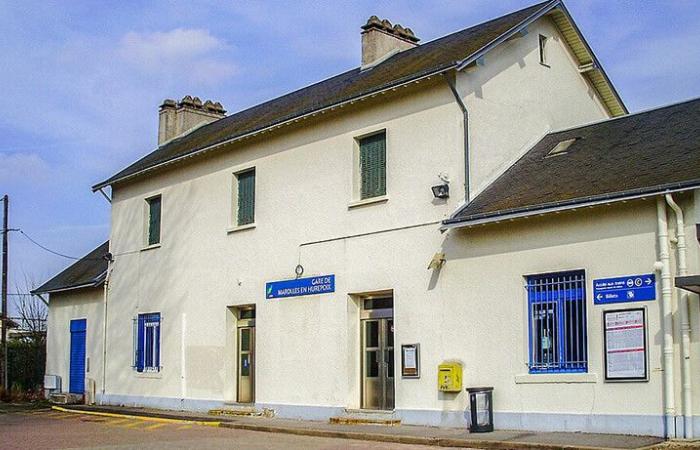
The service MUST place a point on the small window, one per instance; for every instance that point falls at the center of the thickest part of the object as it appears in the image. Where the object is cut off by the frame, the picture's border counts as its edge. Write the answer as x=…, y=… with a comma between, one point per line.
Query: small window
x=154, y=212
x=561, y=148
x=372, y=165
x=245, y=197
x=543, y=49
x=557, y=322
x=147, y=342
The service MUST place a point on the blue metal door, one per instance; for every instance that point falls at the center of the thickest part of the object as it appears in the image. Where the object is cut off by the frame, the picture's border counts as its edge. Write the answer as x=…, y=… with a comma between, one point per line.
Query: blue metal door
x=78, y=329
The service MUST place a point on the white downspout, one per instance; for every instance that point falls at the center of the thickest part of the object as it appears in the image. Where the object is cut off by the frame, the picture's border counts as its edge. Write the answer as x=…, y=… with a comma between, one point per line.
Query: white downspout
x=686, y=381
x=104, y=331
x=667, y=319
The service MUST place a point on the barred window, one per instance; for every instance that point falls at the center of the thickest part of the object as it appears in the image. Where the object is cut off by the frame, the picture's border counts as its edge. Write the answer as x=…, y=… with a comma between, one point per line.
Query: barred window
x=557, y=322
x=147, y=342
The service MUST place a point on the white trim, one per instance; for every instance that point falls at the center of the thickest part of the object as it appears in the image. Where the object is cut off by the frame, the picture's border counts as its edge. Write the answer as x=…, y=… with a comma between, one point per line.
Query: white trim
x=368, y=201
x=235, y=229
x=150, y=247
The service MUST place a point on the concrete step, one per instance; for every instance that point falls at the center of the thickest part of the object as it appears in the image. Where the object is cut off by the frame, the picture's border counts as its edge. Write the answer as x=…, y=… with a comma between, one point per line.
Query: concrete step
x=366, y=417
x=65, y=398
x=241, y=411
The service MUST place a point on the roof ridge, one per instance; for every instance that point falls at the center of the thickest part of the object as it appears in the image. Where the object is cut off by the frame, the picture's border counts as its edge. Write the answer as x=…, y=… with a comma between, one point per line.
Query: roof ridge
x=626, y=116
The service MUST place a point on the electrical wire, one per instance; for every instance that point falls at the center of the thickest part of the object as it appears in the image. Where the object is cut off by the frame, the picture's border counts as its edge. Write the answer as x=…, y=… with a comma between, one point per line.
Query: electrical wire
x=55, y=252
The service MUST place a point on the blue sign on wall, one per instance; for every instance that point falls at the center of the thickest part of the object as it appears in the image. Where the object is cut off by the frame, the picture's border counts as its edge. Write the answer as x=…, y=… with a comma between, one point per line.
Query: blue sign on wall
x=632, y=288
x=301, y=286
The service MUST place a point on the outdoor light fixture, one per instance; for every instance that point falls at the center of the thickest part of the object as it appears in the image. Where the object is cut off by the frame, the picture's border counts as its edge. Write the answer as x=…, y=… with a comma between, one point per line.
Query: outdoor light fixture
x=441, y=191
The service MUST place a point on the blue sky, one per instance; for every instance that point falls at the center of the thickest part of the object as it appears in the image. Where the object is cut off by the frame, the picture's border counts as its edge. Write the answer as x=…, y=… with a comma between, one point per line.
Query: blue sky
x=82, y=82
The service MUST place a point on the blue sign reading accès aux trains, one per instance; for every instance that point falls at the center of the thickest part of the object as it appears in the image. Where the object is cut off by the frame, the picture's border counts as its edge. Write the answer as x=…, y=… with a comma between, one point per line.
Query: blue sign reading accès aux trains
x=632, y=288
x=301, y=286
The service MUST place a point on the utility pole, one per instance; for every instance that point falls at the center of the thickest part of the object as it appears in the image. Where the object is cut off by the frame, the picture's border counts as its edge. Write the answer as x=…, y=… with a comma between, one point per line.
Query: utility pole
x=5, y=231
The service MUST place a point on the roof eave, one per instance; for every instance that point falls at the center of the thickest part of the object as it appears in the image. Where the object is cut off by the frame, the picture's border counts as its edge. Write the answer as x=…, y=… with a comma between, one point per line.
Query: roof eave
x=461, y=65
x=585, y=202
x=416, y=79
x=95, y=282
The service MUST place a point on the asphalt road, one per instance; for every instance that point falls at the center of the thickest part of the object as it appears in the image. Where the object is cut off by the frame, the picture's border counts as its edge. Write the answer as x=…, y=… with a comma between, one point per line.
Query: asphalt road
x=48, y=429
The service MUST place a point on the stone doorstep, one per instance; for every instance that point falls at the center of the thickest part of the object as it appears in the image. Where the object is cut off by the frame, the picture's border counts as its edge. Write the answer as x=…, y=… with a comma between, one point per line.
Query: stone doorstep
x=65, y=399
x=241, y=411
x=366, y=417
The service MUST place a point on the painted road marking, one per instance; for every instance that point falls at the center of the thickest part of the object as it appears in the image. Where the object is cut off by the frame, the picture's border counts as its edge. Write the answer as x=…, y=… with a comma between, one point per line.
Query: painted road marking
x=114, y=423
x=184, y=427
x=155, y=426
x=130, y=425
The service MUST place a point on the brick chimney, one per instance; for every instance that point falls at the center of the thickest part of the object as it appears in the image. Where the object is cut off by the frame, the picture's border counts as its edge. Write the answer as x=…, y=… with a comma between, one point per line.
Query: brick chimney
x=381, y=39
x=177, y=118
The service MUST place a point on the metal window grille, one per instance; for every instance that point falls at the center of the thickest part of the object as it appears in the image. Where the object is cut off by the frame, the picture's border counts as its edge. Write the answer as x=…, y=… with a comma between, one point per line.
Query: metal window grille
x=373, y=166
x=147, y=342
x=246, y=197
x=154, y=205
x=557, y=322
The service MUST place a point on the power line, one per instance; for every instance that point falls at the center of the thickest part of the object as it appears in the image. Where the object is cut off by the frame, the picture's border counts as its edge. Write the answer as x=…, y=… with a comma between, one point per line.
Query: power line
x=75, y=258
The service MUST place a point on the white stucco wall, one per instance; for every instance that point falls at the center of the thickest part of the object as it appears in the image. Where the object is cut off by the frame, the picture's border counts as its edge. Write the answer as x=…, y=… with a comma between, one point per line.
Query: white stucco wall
x=473, y=310
x=83, y=303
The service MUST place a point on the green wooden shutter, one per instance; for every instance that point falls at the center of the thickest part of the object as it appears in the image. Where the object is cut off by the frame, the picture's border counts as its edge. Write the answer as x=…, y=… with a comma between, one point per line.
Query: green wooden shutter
x=246, y=197
x=373, y=166
x=154, y=220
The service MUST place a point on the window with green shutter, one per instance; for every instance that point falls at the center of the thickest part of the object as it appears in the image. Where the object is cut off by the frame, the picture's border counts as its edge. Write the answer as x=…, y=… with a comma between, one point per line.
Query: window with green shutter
x=154, y=204
x=373, y=166
x=246, y=197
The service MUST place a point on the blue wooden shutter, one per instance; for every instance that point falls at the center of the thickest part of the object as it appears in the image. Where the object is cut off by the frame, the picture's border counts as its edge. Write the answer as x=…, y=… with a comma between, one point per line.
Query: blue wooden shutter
x=246, y=197
x=373, y=166
x=157, y=337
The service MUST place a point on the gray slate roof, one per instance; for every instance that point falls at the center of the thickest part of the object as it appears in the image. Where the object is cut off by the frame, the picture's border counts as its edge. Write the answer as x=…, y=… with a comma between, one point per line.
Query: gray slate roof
x=642, y=153
x=88, y=271
x=431, y=57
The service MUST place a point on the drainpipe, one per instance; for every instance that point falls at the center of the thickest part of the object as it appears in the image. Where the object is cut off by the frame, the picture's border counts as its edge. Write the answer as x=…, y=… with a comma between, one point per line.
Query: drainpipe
x=686, y=382
x=104, y=331
x=667, y=318
x=465, y=118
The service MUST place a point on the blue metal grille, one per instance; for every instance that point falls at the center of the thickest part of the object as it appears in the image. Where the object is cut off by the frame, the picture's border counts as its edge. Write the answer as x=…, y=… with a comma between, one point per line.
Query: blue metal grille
x=147, y=342
x=557, y=322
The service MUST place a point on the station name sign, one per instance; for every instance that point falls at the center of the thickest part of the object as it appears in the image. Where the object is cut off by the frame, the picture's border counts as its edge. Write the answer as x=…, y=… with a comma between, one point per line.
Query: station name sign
x=632, y=288
x=298, y=287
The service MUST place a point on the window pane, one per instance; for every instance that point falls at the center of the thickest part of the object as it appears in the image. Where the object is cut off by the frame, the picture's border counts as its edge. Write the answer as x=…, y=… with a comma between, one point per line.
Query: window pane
x=154, y=220
x=373, y=166
x=371, y=365
x=245, y=365
x=371, y=333
x=390, y=364
x=245, y=339
x=246, y=197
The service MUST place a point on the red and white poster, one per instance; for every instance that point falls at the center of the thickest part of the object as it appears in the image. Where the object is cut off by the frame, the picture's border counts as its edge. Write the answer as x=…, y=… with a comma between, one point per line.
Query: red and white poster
x=625, y=345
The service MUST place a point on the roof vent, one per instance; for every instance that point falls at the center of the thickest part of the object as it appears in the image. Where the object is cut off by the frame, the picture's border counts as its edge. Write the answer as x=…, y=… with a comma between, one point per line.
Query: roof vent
x=561, y=148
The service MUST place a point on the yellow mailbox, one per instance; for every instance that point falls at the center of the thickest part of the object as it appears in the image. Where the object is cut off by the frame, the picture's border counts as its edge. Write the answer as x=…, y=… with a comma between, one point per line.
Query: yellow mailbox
x=450, y=377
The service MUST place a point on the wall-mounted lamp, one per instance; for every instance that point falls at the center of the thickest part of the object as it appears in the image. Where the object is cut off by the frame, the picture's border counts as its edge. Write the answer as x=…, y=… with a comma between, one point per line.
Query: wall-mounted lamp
x=441, y=191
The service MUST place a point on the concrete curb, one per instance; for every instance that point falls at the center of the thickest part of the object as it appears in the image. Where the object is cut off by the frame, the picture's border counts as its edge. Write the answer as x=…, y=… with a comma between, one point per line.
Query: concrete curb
x=339, y=434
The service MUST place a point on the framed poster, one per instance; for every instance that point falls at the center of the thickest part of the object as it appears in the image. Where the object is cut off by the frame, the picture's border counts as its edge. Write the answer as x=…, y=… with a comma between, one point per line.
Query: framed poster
x=410, y=361
x=625, y=343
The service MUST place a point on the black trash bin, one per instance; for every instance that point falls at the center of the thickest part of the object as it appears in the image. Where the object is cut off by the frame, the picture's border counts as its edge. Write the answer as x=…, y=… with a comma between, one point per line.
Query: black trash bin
x=480, y=409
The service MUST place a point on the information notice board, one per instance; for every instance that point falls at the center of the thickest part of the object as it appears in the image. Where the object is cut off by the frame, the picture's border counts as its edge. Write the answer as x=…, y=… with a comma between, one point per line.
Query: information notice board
x=625, y=345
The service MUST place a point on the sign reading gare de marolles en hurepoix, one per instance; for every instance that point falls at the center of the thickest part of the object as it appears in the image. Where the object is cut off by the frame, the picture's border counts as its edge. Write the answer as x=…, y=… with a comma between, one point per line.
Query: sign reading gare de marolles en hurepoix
x=322, y=284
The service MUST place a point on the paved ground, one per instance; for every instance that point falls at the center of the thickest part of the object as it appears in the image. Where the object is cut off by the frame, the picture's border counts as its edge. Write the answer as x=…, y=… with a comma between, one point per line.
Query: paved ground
x=23, y=428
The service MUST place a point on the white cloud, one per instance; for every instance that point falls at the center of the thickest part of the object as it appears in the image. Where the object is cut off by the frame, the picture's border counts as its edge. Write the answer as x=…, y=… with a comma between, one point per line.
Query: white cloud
x=183, y=49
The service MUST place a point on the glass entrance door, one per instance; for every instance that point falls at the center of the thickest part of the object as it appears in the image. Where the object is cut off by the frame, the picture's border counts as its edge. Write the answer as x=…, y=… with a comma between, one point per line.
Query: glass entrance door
x=378, y=363
x=246, y=364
